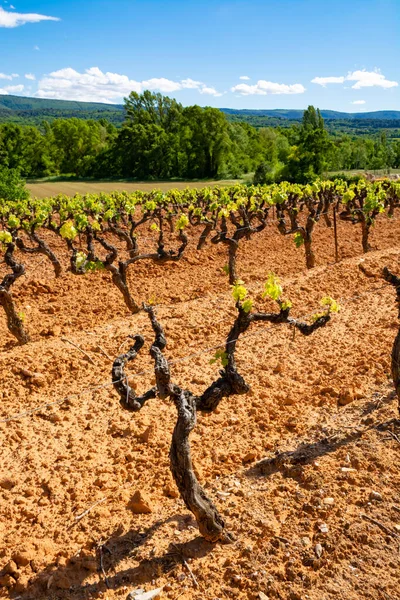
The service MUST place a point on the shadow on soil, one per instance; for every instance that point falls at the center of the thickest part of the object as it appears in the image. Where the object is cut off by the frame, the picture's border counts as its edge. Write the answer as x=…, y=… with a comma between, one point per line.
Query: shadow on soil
x=290, y=462
x=67, y=582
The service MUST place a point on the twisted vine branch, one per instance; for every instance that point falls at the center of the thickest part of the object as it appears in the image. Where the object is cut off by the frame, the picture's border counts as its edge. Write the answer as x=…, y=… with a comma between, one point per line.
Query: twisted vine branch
x=230, y=382
x=14, y=321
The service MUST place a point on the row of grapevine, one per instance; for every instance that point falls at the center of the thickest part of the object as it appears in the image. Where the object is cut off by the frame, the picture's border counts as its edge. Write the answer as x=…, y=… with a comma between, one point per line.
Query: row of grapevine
x=114, y=231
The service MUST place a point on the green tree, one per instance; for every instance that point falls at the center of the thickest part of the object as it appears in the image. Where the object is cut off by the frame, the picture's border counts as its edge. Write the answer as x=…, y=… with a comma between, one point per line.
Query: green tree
x=12, y=187
x=309, y=157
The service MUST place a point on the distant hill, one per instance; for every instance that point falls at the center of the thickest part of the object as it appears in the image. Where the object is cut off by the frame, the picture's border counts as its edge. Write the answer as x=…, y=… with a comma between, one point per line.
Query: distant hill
x=19, y=109
x=33, y=111
x=296, y=115
x=23, y=103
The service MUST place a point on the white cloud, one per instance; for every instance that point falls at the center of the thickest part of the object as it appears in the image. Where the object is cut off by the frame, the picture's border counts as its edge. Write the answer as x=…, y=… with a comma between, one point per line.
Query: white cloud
x=11, y=89
x=358, y=102
x=190, y=84
x=211, y=91
x=244, y=78
x=30, y=76
x=362, y=79
x=325, y=80
x=370, y=79
x=264, y=88
x=14, y=19
x=36, y=48
x=9, y=77
x=95, y=86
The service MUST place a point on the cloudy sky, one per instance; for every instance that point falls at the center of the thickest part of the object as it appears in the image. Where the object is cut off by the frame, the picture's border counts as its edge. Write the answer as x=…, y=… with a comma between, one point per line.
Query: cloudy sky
x=339, y=55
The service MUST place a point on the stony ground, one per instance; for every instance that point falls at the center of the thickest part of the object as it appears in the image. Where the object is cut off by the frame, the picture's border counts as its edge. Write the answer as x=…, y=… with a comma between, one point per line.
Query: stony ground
x=305, y=468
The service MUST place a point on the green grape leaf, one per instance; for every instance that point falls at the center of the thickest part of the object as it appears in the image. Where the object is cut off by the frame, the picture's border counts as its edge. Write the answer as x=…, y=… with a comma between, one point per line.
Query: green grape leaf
x=220, y=355
x=272, y=287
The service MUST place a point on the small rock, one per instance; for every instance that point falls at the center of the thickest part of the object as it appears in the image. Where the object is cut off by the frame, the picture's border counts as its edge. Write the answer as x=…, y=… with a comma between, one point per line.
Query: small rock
x=305, y=541
x=7, y=483
x=375, y=496
x=142, y=595
x=140, y=503
x=171, y=491
x=323, y=528
x=7, y=581
x=262, y=596
x=318, y=550
x=329, y=391
x=223, y=495
x=250, y=456
x=21, y=558
x=345, y=397
x=10, y=568
x=347, y=470
x=329, y=501
x=147, y=434
x=397, y=527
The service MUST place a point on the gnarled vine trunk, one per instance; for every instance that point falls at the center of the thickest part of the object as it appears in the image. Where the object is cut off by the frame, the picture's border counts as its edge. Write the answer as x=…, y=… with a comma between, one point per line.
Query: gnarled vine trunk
x=15, y=323
x=210, y=522
x=395, y=281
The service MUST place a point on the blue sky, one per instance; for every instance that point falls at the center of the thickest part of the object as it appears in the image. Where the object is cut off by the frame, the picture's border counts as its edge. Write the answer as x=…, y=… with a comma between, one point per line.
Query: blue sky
x=239, y=54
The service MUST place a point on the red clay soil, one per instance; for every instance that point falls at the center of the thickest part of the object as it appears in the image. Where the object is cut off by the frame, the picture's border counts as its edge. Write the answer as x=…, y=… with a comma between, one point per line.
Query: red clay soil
x=305, y=468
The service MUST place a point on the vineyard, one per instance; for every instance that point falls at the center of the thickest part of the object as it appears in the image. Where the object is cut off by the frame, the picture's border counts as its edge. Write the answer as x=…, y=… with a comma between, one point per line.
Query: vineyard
x=253, y=326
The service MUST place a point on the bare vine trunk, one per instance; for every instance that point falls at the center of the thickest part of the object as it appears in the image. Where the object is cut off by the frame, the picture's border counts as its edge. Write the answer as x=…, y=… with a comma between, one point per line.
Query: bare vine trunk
x=233, y=247
x=14, y=322
x=365, y=235
x=120, y=282
x=210, y=522
x=396, y=366
x=310, y=256
x=395, y=281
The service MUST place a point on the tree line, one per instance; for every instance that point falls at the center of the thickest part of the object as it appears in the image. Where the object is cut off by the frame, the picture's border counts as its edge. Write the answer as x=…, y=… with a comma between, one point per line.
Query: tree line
x=161, y=139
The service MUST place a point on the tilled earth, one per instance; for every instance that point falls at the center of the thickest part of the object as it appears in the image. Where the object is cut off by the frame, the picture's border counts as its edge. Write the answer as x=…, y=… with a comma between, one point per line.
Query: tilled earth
x=305, y=468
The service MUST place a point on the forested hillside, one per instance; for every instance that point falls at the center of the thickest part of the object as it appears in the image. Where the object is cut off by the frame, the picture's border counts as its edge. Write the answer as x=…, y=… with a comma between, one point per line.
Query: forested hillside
x=32, y=111
x=158, y=138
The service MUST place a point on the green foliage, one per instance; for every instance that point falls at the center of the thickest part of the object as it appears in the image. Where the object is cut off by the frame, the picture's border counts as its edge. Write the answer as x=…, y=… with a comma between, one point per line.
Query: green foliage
x=272, y=287
x=181, y=223
x=5, y=237
x=158, y=138
x=68, y=231
x=247, y=305
x=88, y=266
x=331, y=304
x=12, y=187
x=239, y=292
x=220, y=355
x=298, y=239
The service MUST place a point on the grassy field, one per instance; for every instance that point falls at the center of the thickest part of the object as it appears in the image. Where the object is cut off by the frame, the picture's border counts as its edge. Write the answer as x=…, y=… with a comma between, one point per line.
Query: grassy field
x=43, y=189
x=375, y=172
